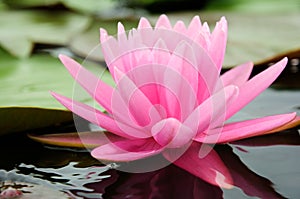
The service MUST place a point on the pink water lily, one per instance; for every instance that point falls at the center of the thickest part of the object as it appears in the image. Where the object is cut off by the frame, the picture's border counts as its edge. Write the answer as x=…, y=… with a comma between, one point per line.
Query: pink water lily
x=170, y=98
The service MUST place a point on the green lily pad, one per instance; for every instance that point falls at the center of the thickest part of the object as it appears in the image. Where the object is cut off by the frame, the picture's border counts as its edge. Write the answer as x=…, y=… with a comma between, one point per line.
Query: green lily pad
x=27, y=82
x=90, y=6
x=255, y=5
x=20, y=30
x=25, y=101
x=30, y=3
x=16, y=119
x=85, y=6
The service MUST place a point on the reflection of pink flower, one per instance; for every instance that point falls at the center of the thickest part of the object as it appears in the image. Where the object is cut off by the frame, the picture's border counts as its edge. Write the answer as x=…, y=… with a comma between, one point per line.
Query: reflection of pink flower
x=170, y=98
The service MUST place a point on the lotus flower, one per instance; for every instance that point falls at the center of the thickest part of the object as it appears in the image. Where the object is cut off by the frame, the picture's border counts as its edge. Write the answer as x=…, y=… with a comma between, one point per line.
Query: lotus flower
x=170, y=98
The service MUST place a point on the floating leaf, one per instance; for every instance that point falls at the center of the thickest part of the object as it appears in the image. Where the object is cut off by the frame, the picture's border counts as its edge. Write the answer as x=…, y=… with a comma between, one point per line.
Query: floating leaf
x=27, y=82
x=14, y=119
x=255, y=5
x=30, y=3
x=90, y=6
x=85, y=6
x=25, y=101
x=21, y=29
x=295, y=122
x=74, y=140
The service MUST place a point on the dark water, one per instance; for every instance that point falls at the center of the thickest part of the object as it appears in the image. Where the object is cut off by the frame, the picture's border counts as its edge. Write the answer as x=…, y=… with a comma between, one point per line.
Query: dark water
x=265, y=167
x=262, y=167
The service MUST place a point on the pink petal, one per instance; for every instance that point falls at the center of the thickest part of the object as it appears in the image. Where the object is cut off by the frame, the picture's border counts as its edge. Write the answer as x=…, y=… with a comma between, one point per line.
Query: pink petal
x=256, y=85
x=99, y=90
x=194, y=27
x=172, y=133
x=208, y=74
x=128, y=150
x=180, y=78
x=205, y=28
x=110, y=48
x=218, y=42
x=284, y=136
x=103, y=35
x=245, y=129
x=201, y=40
x=238, y=75
x=121, y=29
x=137, y=103
x=212, y=111
x=160, y=54
x=163, y=22
x=209, y=168
x=77, y=140
x=180, y=27
x=149, y=85
x=92, y=115
x=295, y=122
x=144, y=23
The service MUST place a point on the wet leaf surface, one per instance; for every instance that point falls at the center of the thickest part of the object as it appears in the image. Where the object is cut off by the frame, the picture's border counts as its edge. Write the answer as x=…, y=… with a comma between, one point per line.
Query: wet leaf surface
x=25, y=101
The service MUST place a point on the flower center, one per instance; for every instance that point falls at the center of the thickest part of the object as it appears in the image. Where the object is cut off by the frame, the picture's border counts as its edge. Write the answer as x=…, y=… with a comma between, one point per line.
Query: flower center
x=171, y=133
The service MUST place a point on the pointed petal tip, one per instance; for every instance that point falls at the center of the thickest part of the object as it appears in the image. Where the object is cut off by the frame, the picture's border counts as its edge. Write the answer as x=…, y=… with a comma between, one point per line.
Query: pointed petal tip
x=196, y=17
x=285, y=60
x=163, y=21
x=223, y=19
x=53, y=93
x=121, y=28
x=144, y=23
x=61, y=56
x=103, y=35
x=61, y=99
x=221, y=25
x=293, y=115
x=57, y=96
x=278, y=67
x=103, y=32
x=163, y=16
x=195, y=22
x=224, y=182
x=65, y=59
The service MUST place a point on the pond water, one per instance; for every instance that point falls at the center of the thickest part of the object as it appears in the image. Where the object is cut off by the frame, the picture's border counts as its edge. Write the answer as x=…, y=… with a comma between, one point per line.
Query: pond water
x=265, y=167
x=262, y=167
